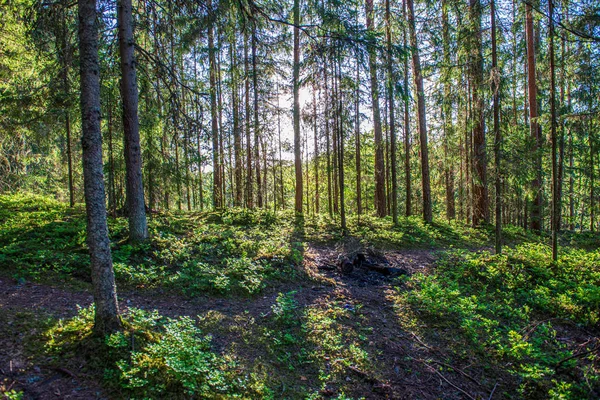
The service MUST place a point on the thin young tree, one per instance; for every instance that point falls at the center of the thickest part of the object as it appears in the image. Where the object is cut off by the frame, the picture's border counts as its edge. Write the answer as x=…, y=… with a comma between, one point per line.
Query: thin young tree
x=106, y=318
x=391, y=96
x=555, y=190
x=497, y=133
x=296, y=84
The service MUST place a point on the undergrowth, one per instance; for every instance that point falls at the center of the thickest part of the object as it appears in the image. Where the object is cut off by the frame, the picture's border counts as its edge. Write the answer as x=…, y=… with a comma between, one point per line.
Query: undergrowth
x=533, y=318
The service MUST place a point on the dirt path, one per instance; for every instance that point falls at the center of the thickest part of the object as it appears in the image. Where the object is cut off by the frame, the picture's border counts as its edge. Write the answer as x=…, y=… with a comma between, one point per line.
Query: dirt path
x=399, y=353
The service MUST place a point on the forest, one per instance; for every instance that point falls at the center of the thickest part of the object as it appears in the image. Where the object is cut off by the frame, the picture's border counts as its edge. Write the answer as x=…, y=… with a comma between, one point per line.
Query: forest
x=300, y=199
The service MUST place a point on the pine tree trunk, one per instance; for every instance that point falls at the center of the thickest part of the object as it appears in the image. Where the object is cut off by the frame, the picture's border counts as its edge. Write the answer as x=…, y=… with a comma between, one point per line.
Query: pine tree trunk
x=297, y=155
x=555, y=190
x=138, y=227
x=497, y=134
x=447, y=115
x=535, y=129
x=237, y=146
x=103, y=279
x=391, y=96
x=418, y=77
x=316, y=144
x=217, y=184
x=379, y=161
x=480, y=191
x=408, y=182
x=357, y=140
x=249, y=172
x=259, y=194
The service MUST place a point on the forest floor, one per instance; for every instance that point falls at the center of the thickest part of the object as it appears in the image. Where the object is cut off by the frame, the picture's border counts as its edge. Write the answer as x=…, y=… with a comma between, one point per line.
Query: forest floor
x=406, y=367
x=445, y=323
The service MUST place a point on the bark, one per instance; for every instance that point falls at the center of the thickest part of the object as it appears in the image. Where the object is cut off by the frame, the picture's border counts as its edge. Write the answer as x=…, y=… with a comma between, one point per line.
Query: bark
x=249, y=184
x=379, y=160
x=407, y=180
x=296, y=83
x=391, y=96
x=136, y=208
x=316, y=155
x=357, y=141
x=237, y=139
x=555, y=190
x=497, y=134
x=418, y=78
x=340, y=146
x=447, y=114
x=103, y=280
x=535, y=129
x=65, y=60
x=217, y=182
x=480, y=191
x=259, y=194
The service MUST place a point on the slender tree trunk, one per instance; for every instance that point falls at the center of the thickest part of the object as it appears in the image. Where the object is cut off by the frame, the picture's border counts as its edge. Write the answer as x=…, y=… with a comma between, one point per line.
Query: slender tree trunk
x=447, y=114
x=341, y=146
x=357, y=140
x=112, y=201
x=259, y=194
x=497, y=134
x=296, y=83
x=407, y=177
x=328, y=141
x=138, y=227
x=237, y=146
x=282, y=188
x=480, y=192
x=379, y=161
x=535, y=130
x=249, y=176
x=217, y=183
x=555, y=190
x=391, y=96
x=65, y=58
x=316, y=144
x=418, y=77
x=103, y=279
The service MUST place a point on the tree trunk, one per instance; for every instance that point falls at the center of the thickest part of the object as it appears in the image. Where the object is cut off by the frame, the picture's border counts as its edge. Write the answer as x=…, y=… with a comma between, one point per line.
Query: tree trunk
x=103, y=279
x=407, y=181
x=136, y=208
x=555, y=191
x=316, y=155
x=480, y=192
x=535, y=129
x=297, y=155
x=418, y=77
x=447, y=115
x=259, y=195
x=497, y=134
x=237, y=139
x=379, y=162
x=217, y=183
x=249, y=179
x=391, y=96
x=357, y=140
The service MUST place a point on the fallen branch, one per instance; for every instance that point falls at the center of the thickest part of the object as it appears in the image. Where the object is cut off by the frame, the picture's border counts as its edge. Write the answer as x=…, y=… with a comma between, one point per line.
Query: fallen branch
x=578, y=355
x=463, y=373
x=493, y=390
x=450, y=383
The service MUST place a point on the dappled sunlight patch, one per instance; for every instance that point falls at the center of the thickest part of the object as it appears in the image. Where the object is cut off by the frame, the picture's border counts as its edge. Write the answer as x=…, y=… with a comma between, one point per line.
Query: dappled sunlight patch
x=491, y=304
x=153, y=356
